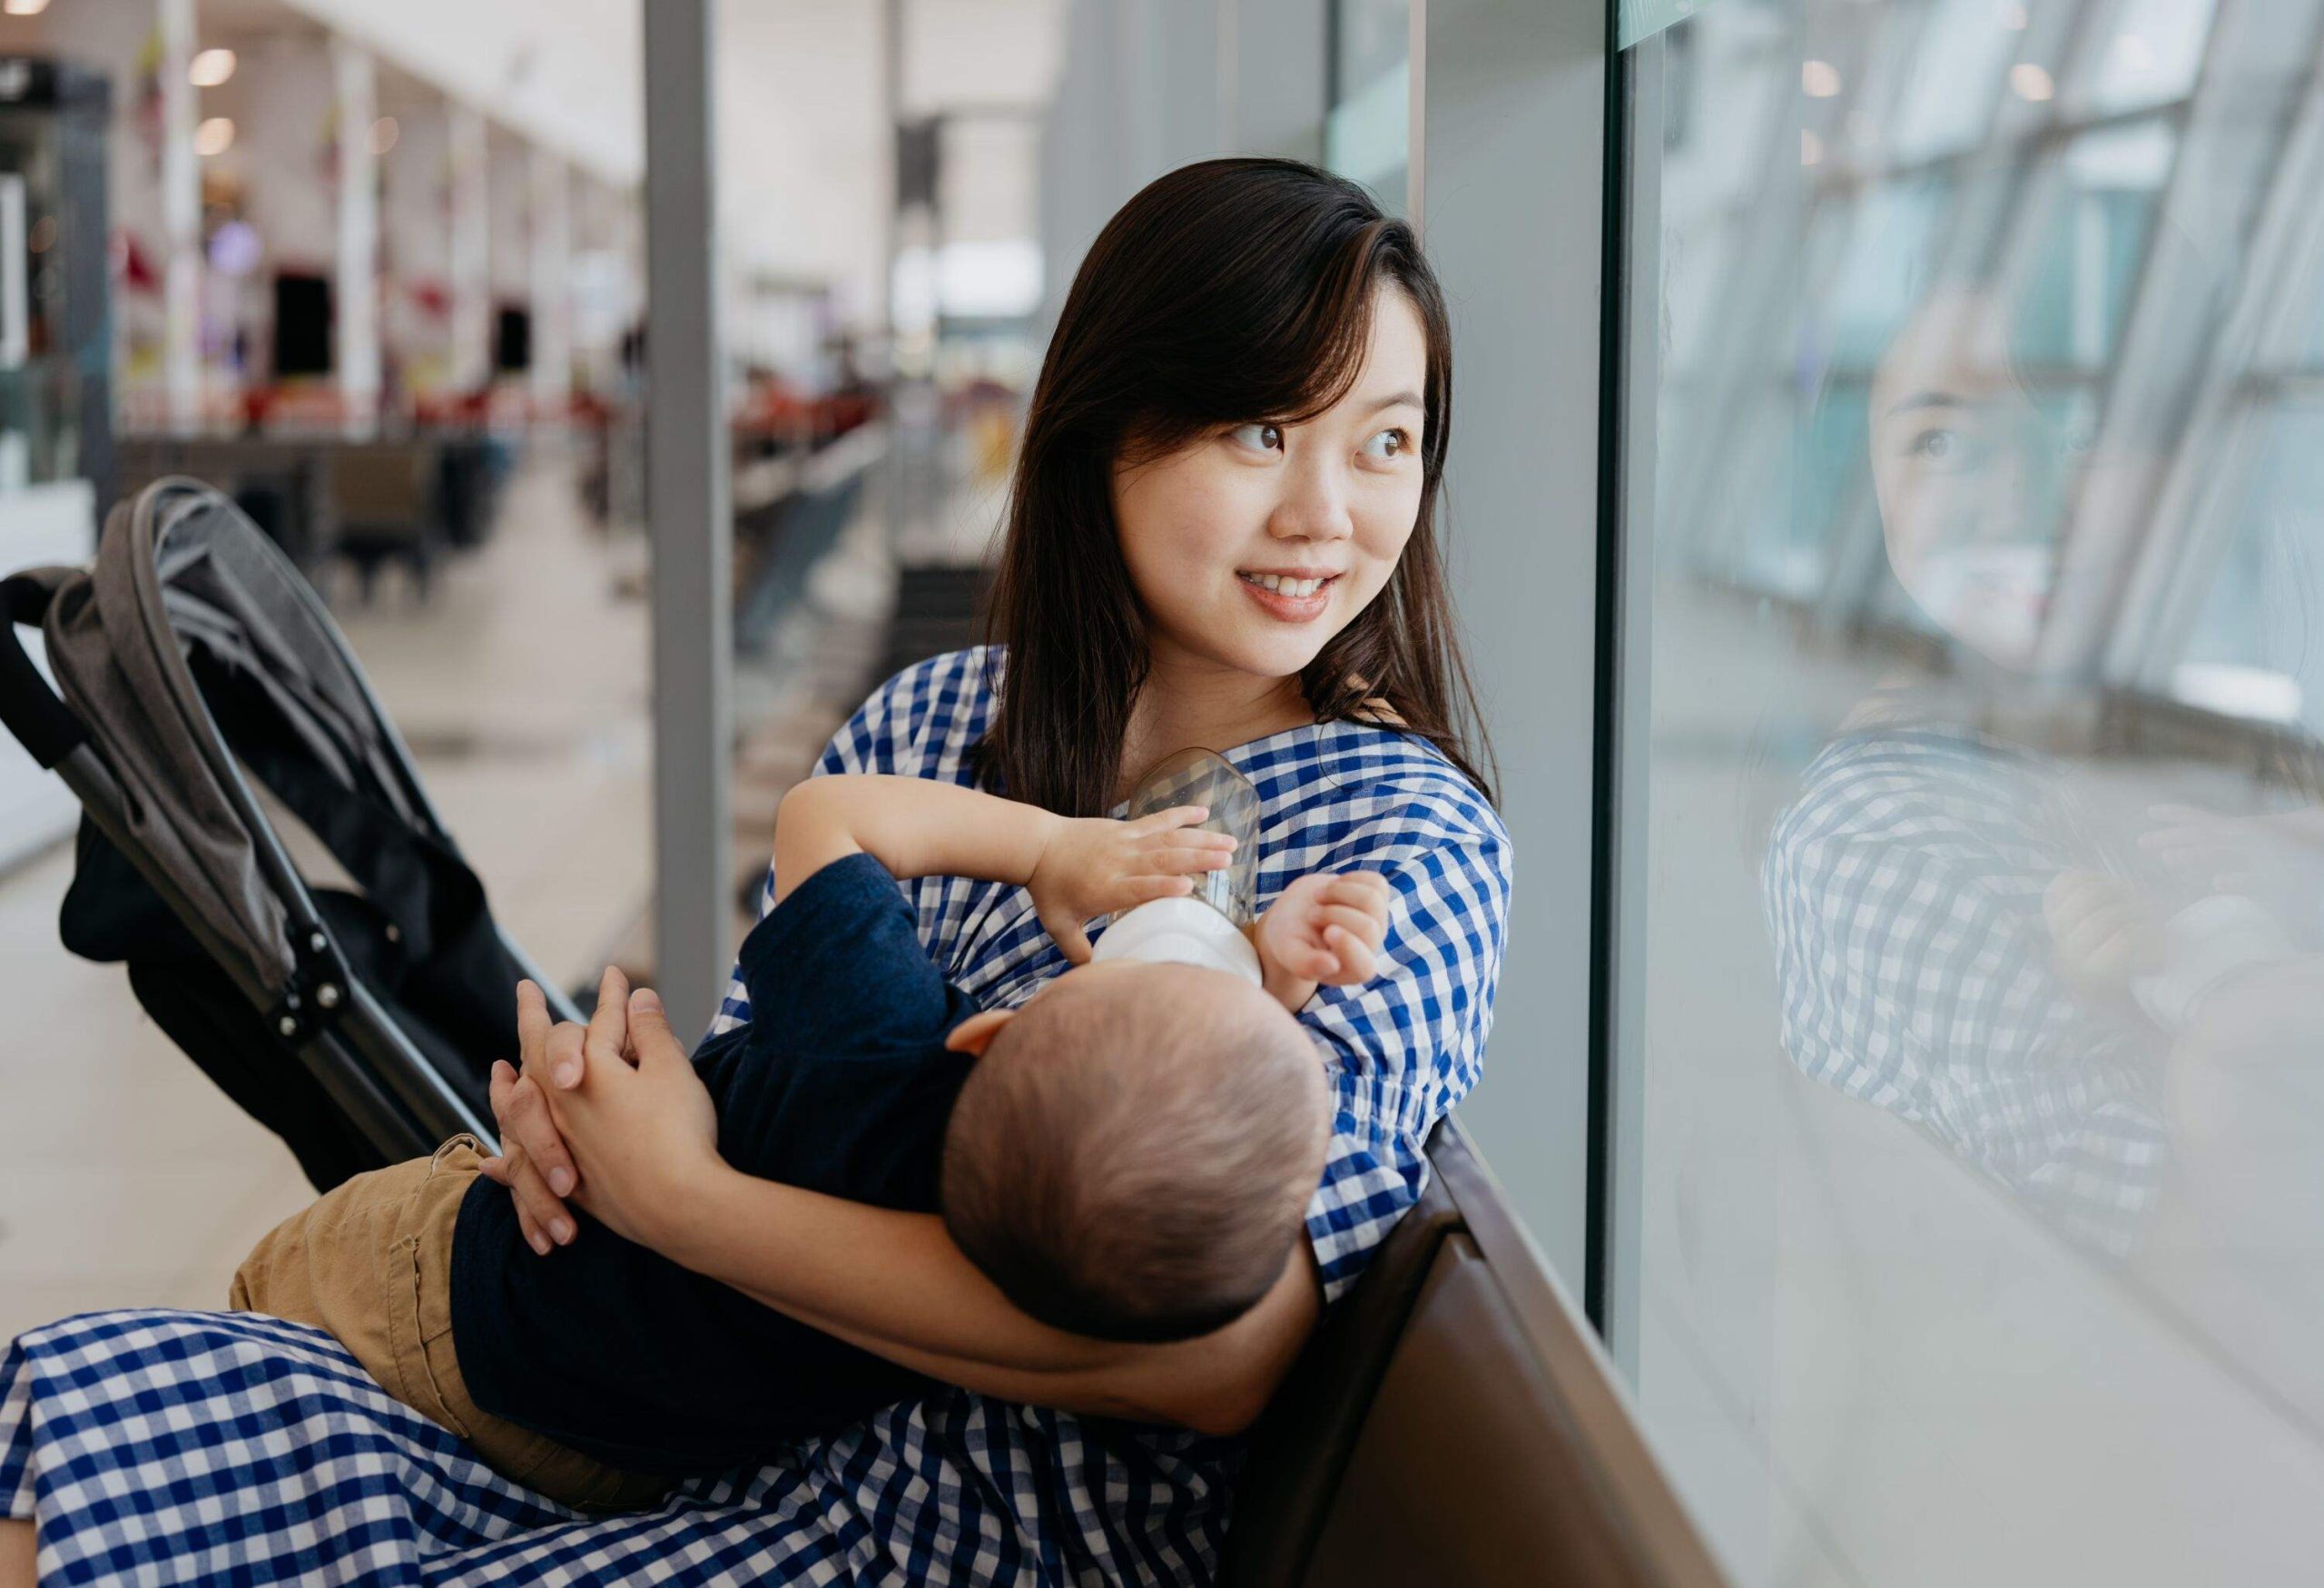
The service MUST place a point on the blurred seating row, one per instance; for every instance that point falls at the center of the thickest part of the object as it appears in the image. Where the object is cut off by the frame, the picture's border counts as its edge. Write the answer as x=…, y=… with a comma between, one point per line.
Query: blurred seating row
x=788, y=512
x=406, y=500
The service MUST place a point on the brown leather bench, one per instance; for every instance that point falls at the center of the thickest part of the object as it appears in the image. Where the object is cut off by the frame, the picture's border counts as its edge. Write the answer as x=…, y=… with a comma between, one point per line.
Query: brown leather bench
x=1454, y=1422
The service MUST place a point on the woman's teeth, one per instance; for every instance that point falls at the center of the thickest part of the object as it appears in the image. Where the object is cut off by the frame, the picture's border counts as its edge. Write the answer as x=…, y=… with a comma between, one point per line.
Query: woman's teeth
x=1283, y=586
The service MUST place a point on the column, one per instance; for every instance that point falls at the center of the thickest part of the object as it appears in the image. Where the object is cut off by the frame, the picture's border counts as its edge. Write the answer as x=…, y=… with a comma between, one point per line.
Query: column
x=552, y=282
x=689, y=521
x=472, y=268
x=355, y=288
x=181, y=219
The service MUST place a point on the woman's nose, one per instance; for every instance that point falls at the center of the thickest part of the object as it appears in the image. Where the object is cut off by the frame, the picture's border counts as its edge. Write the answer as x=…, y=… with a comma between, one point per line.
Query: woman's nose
x=1314, y=507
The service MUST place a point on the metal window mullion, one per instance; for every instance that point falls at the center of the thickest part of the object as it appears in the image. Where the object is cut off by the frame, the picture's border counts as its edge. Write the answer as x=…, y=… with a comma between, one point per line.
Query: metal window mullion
x=1626, y=607
x=2193, y=517
x=2115, y=513
x=688, y=516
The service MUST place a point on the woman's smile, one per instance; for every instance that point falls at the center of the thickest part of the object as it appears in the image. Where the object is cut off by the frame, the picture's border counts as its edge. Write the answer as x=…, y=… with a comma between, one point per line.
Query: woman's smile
x=1289, y=595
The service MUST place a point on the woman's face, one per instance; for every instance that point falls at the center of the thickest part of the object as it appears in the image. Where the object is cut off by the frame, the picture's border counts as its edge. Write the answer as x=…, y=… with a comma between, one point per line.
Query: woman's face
x=1251, y=546
x=1969, y=474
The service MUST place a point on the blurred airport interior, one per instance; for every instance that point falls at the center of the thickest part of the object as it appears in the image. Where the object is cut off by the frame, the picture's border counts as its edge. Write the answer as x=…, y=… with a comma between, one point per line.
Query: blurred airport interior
x=378, y=274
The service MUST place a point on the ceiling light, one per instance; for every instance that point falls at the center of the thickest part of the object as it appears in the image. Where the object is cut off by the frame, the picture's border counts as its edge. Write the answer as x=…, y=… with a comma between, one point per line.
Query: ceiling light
x=214, y=136
x=210, y=68
x=2031, y=82
x=1811, y=148
x=25, y=7
x=1819, y=79
x=2014, y=17
x=384, y=134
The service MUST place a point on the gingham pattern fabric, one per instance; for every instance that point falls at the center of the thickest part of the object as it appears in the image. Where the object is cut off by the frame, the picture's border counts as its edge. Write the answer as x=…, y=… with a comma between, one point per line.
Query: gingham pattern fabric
x=176, y=1447
x=1904, y=893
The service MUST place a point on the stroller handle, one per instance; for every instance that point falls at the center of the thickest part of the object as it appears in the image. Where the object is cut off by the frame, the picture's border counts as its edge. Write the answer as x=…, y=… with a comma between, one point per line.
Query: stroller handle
x=30, y=707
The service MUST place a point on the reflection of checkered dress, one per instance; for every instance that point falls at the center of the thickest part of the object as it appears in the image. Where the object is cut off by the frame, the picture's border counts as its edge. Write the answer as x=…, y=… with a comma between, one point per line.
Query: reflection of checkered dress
x=1903, y=889
x=191, y=1448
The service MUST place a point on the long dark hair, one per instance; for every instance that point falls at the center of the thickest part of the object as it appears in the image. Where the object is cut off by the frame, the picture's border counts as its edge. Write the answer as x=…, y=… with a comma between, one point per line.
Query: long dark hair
x=1226, y=292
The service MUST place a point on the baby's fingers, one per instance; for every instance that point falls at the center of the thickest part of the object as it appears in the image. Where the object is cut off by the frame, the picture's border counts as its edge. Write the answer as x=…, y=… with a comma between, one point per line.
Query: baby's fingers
x=1140, y=890
x=1361, y=891
x=1367, y=928
x=1190, y=860
x=1176, y=817
x=1308, y=962
x=1355, y=958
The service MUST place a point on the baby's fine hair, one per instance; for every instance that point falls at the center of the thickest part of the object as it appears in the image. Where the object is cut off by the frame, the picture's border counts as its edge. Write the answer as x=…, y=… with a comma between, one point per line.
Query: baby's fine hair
x=1131, y=1157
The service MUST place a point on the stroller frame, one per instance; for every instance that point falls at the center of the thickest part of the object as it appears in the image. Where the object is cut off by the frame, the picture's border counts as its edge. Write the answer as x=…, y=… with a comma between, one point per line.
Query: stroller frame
x=372, y=1069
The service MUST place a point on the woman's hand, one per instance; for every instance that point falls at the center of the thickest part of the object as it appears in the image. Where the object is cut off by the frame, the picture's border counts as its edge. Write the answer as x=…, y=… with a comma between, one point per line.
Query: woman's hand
x=1094, y=866
x=640, y=1124
x=535, y=1163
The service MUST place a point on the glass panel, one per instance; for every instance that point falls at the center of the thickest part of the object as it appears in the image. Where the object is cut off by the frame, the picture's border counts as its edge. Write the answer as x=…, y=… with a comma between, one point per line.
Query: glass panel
x=2152, y=56
x=1983, y=1224
x=1367, y=134
x=2258, y=646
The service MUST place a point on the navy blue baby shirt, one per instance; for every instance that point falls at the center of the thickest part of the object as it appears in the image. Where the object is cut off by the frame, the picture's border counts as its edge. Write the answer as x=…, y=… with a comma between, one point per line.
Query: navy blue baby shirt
x=839, y=1083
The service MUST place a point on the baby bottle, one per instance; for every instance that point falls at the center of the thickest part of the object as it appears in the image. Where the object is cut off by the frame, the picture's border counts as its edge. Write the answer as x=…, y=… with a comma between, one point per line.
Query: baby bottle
x=1209, y=926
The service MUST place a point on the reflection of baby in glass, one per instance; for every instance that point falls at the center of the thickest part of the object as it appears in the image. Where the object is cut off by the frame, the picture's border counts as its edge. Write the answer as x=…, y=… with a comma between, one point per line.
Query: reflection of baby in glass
x=1963, y=934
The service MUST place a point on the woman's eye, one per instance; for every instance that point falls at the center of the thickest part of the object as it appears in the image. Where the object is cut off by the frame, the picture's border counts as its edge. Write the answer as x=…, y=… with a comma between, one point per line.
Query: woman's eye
x=1389, y=443
x=1259, y=437
x=1944, y=450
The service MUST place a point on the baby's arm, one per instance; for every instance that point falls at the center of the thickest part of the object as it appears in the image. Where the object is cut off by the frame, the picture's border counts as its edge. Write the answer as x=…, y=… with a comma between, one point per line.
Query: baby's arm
x=1322, y=929
x=1076, y=868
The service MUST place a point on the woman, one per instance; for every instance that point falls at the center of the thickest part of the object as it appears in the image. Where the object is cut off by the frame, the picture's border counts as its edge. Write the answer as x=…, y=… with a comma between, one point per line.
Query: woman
x=1239, y=429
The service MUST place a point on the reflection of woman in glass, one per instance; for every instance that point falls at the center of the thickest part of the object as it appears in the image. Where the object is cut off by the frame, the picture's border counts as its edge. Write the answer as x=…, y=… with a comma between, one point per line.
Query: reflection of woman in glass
x=1971, y=934
x=1951, y=943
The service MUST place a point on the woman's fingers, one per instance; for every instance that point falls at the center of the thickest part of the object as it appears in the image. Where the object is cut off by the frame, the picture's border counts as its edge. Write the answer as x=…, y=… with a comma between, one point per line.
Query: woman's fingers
x=541, y=1218
x=608, y=1031
x=533, y=1025
x=500, y=1172
x=524, y=1123
x=568, y=1054
x=649, y=1028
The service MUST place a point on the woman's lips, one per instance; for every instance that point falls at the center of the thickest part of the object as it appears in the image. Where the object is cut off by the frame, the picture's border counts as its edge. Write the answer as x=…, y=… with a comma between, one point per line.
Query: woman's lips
x=1283, y=605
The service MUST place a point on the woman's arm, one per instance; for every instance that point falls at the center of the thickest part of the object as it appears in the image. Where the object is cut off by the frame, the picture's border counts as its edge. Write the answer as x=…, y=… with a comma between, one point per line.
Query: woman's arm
x=646, y=1140
x=896, y=1284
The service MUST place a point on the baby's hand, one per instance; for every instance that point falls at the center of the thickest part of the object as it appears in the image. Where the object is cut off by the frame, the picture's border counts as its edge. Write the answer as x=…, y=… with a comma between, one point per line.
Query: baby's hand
x=2103, y=933
x=1097, y=866
x=1326, y=929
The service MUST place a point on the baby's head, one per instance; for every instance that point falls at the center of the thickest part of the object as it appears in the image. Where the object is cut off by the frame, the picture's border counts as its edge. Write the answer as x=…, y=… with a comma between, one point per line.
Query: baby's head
x=1131, y=1156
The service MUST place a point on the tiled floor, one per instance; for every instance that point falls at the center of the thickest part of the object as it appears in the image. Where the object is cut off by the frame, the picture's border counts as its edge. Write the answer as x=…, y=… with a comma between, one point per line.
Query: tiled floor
x=125, y=1177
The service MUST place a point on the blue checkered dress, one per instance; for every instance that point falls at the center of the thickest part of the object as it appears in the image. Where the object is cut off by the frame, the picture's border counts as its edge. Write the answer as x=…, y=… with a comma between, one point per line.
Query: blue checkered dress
x=1904, y=894
x=194, y=1447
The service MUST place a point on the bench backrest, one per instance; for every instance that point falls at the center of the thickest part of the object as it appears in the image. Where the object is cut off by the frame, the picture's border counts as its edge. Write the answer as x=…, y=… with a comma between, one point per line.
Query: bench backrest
x=1454, y=1422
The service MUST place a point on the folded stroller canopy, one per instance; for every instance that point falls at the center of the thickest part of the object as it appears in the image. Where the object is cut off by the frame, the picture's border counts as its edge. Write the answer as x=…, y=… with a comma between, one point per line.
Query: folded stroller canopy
x=189, y=605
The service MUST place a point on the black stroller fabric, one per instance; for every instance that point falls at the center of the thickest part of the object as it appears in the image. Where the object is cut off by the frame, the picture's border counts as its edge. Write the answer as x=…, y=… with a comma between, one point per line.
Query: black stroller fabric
x=196, y=658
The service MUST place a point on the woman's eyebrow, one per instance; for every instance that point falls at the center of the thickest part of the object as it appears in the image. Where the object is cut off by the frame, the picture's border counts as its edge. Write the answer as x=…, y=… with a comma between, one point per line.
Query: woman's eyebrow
x=1395, y=399
x=1927, y=399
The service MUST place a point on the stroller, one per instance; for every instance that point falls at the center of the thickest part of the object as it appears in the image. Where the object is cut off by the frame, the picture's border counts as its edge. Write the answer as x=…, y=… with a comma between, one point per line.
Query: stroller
x=192, y=660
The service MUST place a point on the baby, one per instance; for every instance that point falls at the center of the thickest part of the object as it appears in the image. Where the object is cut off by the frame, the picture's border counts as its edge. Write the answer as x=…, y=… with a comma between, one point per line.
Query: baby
x=1128, y=1156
